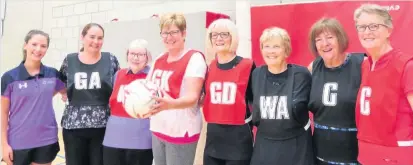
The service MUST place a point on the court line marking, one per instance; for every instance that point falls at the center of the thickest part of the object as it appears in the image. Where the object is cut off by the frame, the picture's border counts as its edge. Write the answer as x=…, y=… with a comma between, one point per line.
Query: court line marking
x=60, y=156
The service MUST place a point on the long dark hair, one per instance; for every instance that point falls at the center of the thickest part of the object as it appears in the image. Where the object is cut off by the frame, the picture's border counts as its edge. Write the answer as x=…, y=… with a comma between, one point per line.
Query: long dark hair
x=86, y=29
x=30, y=35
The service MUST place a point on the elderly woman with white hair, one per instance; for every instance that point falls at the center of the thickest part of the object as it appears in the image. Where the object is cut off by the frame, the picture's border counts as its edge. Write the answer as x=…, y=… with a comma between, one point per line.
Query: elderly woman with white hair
x=384, y=115
x=281, y=94
x=229, y=137
x=128, y=140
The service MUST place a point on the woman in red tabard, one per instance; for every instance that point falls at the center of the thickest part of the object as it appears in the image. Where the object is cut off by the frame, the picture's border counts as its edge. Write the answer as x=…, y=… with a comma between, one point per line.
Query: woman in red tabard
x=384, y=115
x=176, y=121
x=227, y=94
x=128, y=140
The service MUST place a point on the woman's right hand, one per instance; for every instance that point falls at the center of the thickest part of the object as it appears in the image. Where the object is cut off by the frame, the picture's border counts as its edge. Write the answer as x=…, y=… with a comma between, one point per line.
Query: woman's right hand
x=8, y=154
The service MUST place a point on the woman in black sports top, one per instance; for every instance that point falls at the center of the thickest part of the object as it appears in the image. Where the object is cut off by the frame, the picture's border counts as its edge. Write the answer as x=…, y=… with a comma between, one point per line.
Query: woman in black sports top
x=281, y=92
x=335, y=83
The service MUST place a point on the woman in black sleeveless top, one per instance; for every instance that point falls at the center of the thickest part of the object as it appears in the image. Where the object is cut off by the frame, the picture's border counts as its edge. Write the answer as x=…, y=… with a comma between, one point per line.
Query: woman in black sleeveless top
x=335, y=83
x=281, y=92
x=88, y=75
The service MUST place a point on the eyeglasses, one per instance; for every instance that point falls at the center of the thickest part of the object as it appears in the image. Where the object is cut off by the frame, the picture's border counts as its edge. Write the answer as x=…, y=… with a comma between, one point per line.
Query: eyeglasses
x=173, y=33
x=372, y=27
x=223, y=35
x=137, y=55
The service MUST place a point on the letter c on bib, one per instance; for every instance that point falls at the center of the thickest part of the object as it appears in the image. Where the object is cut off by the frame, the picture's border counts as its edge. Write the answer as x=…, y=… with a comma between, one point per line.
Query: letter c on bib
x=223, y=92
x=364, y=103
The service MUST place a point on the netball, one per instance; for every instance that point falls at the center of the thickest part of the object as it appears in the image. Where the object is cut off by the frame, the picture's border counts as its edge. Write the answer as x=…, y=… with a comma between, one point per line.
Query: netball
x=139, y=97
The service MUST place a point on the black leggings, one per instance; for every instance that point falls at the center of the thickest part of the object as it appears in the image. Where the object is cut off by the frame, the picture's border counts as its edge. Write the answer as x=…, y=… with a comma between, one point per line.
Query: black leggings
x=209, y=160
x=118, y=156
x=84, y=146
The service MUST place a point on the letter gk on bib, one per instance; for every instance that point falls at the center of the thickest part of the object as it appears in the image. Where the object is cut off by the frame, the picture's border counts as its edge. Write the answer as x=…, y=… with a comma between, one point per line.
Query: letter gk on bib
x=137, y=97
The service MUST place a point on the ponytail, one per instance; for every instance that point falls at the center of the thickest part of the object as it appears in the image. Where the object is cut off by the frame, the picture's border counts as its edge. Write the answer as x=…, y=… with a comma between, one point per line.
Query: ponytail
x=82, y=49
x=24, y=55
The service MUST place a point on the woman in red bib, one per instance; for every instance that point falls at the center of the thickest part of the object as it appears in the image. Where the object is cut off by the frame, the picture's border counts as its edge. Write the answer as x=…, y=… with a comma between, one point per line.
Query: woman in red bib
x=384, y=114
x=176, y=120
x=227, y=94
x=128, y=140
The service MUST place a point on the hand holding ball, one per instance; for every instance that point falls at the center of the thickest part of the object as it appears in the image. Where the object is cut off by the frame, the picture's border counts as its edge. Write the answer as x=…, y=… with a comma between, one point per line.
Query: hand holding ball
x=139, y=97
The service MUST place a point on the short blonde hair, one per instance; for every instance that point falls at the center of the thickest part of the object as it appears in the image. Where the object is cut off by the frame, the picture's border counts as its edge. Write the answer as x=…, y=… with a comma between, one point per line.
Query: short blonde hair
x=332, y=26
x=374, y=9
x=273, y=33
x=170, y=19
x=143, y=44
x=232, y=29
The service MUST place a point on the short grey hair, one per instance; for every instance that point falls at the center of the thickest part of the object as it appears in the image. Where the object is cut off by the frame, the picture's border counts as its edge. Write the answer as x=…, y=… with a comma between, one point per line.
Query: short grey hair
x=374, y=9
x=232, y=29
x=140, y=43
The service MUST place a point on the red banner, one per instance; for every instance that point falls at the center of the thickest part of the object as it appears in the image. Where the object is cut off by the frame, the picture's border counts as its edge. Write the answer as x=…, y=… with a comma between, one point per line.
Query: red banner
x=211, y=17
x=297, y=19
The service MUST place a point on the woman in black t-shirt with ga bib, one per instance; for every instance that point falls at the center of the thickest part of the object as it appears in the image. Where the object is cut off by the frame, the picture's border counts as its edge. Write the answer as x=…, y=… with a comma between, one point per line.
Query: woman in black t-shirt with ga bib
x=281, y=92
x=88, y=76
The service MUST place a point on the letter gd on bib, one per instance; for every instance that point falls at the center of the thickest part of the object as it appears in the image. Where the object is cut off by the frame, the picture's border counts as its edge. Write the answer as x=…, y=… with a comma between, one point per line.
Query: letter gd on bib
x=137, y=97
